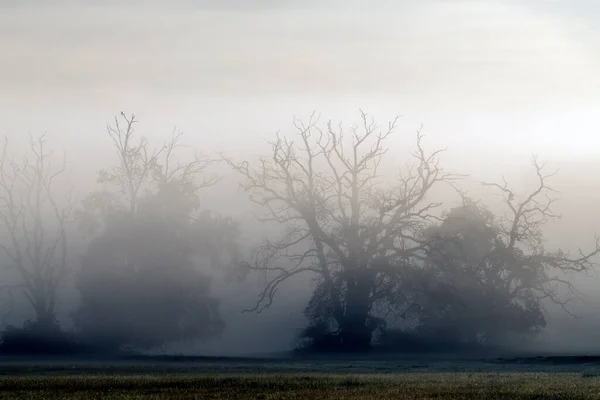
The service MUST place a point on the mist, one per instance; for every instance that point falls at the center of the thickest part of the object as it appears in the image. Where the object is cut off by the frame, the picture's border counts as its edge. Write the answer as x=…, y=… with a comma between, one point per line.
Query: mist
x=493, y=82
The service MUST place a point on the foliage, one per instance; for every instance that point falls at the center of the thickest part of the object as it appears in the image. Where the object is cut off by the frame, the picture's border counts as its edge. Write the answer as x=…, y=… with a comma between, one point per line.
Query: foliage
x=318, y=337
x=487, y=276
x=37, y=339
x=141, y=284
x=411, y=341
x=478, y=290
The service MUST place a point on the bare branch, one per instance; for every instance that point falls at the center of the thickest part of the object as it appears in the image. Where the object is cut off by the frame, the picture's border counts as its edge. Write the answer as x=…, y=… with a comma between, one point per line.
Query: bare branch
x=35, y=224
x=324, y=184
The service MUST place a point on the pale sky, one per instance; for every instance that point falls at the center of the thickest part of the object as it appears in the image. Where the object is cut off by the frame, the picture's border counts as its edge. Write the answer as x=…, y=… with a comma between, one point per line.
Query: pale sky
x=521, y=75
x=499, y=53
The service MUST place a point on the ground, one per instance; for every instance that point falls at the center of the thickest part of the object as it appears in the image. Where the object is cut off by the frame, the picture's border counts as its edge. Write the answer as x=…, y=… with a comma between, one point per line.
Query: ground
x=315, y=378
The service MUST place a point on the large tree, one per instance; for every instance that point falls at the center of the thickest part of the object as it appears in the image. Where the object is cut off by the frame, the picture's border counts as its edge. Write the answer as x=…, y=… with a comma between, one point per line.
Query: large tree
x=488, y=277
x=144, y=281
x=353, y=230
x=476, y=289
x=367, y=240
x=34, y=211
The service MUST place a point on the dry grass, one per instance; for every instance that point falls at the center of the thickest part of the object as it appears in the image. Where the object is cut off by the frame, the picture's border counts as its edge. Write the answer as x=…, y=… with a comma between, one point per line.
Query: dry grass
x=438, y=386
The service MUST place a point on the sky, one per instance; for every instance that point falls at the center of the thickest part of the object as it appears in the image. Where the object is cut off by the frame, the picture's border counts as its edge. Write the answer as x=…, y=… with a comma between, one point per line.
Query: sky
x=518, y=74
x=493, y=81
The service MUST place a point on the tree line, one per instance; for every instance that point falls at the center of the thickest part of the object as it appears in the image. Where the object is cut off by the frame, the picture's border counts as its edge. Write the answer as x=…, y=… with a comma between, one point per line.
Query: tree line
x=384, y=256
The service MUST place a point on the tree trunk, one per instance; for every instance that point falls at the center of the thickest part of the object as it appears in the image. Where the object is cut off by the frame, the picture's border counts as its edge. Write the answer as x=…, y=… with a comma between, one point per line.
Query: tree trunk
x=45, y=318
x=355, y=334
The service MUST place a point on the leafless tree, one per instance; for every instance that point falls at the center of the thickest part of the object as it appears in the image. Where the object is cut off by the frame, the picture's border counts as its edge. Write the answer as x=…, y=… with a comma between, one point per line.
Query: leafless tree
x=141, y=168
x=346, y=224
x=139, y=164
x=34, y=222
x=521, y=232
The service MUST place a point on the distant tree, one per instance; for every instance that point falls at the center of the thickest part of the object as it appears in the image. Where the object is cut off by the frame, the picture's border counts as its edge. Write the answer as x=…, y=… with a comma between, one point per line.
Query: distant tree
x=486, y=278
x=353, y=231
x=470, y=293
x=33, y=218
x=141, y=282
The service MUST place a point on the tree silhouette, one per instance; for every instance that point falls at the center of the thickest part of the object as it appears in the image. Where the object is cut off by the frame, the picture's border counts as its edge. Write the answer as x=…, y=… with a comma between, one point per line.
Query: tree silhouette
x=355, y=235
x=471, y=294
x=487, y=277
x=142, y=284
x=34, y=223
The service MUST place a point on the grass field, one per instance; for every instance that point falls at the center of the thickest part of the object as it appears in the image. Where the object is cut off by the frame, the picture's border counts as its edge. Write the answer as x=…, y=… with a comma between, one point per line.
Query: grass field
x=297, y=380
x=398, y=386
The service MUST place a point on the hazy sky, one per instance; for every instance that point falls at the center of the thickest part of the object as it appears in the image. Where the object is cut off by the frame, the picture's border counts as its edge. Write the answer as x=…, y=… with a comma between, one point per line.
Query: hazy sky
x=442, y=53
x=521, y=75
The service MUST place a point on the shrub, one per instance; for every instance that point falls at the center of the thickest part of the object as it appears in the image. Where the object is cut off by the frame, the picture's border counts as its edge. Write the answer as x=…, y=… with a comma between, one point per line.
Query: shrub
x=33, y=339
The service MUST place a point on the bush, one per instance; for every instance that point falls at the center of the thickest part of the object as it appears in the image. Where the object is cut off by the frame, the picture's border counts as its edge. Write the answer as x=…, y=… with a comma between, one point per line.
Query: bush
x=318, y=338
x=34, y=339
x=402, y=341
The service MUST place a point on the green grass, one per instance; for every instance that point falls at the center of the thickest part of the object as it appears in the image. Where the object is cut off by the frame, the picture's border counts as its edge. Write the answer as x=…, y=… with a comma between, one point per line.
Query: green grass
x=439, y=386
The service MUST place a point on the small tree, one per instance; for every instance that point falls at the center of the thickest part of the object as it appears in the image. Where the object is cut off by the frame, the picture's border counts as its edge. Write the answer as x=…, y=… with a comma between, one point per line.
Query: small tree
x=344, y=225
x=34, y=224
x=140, y=284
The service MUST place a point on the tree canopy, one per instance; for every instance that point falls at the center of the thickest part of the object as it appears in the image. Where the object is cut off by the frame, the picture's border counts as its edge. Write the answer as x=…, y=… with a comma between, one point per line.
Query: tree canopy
x=477, y=290
x=142, y=283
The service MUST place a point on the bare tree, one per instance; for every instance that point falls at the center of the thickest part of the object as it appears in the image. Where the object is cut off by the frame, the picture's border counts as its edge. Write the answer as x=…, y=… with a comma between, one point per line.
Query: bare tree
x=138, y=164
x=34, y=222
x=346, y=225
x=521, y=232
x=140, y=169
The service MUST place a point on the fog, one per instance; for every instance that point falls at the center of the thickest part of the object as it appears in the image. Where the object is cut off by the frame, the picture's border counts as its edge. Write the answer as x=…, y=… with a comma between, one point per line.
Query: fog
x=493, y=82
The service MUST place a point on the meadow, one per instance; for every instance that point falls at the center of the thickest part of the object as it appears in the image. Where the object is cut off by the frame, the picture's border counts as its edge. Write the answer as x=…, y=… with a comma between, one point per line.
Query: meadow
x=304, y=379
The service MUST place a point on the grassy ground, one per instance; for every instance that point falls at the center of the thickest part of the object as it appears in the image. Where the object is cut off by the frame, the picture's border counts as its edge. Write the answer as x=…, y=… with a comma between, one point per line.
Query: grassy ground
x=307, y=379
x=438, y=386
